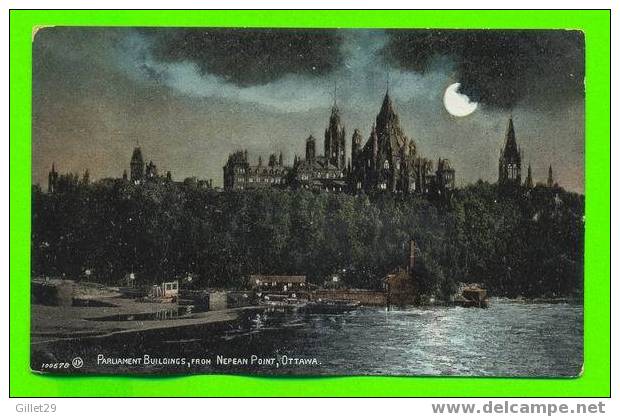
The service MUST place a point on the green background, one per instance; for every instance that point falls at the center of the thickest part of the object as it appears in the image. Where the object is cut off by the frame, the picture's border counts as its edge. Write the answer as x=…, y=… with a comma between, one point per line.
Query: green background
x=595, y=380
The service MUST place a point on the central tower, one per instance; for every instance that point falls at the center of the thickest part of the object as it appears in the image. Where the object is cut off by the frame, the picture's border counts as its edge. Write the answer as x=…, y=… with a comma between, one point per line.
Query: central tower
x=137, y=165
x=334, y=140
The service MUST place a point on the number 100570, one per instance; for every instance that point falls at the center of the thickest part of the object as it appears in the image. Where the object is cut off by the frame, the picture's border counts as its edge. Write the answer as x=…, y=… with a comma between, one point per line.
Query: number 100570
x=55, y=365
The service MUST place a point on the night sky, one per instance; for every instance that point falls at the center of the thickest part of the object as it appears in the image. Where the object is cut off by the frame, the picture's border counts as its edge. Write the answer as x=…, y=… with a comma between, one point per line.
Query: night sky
x=192, y=96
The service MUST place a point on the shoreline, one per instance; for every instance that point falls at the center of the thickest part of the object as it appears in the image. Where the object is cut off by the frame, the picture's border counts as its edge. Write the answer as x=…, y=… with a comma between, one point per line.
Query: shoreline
x=206, y=339
x=53, y=324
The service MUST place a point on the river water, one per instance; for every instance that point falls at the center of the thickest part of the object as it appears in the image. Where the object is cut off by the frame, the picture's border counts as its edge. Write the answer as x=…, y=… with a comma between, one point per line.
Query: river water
x=507, y=339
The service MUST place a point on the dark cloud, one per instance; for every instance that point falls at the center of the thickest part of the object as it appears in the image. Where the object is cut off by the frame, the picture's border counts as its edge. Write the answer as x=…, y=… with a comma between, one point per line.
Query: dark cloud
x=499, y=68
x=251, y=56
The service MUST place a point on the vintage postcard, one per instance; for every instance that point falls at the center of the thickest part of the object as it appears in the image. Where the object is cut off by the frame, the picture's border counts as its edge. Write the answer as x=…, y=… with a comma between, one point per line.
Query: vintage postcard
x=307, y=202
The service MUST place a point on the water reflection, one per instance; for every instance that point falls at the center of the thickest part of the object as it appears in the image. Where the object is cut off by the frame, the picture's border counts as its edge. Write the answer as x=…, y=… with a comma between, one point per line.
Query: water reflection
x=508, y=339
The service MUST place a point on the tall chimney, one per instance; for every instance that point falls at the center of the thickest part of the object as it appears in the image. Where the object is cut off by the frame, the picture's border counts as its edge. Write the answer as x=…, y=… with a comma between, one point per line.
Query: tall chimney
x=411, y=256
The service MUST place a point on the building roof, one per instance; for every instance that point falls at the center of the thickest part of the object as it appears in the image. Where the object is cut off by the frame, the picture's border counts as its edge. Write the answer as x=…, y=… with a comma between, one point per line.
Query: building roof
x=511, y=148
x=238, y=157
x=318, y=163
x=387, y=132
x=396, y=274
x=295, y=279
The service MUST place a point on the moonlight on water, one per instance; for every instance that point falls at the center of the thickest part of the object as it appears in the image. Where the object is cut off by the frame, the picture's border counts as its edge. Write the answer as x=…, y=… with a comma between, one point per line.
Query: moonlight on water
x=458, y=104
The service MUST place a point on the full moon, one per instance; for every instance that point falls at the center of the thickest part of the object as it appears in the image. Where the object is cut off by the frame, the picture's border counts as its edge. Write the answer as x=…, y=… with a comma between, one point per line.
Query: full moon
x=457, y=104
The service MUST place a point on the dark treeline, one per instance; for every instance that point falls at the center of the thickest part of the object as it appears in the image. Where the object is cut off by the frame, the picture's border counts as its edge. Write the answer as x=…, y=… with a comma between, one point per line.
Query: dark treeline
x=530, y=245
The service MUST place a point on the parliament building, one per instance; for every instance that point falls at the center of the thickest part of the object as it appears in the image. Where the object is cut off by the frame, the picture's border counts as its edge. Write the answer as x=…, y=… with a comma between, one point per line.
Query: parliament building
x=387, y=162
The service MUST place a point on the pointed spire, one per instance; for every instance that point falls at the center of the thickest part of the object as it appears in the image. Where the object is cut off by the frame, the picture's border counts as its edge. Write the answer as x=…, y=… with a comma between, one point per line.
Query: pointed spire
x=387, y=109
x=529, y=182
x=511, y=148
x=334, y=144
x=550, y=177
x=335, y=113
x=86, y=177
x=510, y=130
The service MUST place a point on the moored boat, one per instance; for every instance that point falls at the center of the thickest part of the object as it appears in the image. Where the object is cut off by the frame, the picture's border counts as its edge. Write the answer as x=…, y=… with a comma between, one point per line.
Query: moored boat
x=133, y=292
x=472, y=296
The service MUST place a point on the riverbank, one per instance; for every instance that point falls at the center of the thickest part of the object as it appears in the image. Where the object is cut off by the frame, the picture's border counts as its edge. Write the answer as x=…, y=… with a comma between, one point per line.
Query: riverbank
x=509, y=339
x=63, y=323
x=104, y=312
